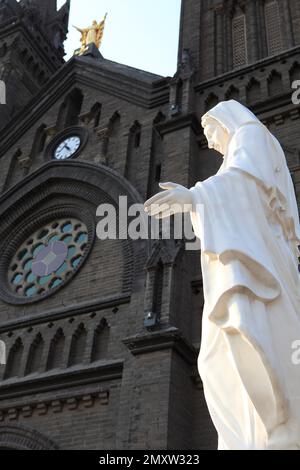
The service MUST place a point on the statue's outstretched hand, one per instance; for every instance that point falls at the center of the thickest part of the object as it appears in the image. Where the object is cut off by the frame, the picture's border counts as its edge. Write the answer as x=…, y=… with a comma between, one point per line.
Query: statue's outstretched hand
x=176, y=199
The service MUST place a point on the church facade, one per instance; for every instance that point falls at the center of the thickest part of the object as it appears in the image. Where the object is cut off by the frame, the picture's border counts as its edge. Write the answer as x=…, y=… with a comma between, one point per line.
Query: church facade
x=102, y=336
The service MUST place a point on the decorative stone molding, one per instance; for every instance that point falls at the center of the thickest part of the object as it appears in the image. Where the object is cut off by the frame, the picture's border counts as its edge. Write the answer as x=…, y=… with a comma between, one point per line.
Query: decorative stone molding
x=24, y=162
x=103, y=134
x=278, y=119
x=219, y=9
x=12, y=414
x=72, y=403
x=41, y=409
x=26, y=411
x=294, y=114
x=55, y=406
x=51, y=131
x=65, y=312
x=23, y=438
x=65, y=379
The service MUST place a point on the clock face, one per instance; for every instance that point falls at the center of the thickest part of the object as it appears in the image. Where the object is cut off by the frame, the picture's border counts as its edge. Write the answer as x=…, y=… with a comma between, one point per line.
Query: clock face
x=67, y=148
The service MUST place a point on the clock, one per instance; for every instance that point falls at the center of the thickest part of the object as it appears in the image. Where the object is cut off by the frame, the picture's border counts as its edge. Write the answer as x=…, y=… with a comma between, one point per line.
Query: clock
x=67, y=148
x=67, y=144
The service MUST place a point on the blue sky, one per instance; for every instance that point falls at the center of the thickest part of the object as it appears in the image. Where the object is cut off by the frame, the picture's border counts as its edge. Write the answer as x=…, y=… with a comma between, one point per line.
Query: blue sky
x=140, y=33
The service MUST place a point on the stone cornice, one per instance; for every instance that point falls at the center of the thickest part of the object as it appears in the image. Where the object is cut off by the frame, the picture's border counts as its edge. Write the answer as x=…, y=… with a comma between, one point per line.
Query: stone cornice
x=245, y=70
x=181, y=122
x=169, y=338
x=26, y=409
x=52, y=382
x=277, y=108
x=65, y=312
x=136, y=92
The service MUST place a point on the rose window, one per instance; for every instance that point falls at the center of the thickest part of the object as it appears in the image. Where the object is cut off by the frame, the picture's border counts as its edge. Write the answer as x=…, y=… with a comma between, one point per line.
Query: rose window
x=48, y=258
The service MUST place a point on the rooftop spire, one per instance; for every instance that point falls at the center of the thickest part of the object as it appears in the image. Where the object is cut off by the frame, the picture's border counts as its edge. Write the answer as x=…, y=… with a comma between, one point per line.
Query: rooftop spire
x=55, y=22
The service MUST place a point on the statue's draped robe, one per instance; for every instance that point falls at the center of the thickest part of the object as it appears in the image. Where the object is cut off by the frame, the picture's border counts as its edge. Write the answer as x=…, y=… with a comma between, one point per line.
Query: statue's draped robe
x=251, y=319
x=92, y=35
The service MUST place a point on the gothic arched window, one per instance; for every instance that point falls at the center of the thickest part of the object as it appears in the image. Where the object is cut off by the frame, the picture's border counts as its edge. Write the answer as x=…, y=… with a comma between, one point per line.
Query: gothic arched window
x=273, y=31
x=253, y=91
x=13, y=366
x=100, y=343
x=239, y=40
x=56, y=350
x=275, y=85
x=35, y=355
x=133, y=151
x=78, y=344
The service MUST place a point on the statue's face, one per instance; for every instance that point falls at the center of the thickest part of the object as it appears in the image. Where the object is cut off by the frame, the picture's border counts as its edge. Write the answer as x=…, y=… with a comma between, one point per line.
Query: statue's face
x=217, y=136
x=94, y=23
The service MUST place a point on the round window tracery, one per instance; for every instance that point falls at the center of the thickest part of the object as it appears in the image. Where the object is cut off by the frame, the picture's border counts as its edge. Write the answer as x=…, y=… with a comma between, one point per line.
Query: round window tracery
x=48, y=258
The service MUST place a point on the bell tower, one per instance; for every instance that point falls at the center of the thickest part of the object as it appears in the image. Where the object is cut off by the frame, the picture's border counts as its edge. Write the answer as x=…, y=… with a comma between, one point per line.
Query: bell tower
x=31, y=49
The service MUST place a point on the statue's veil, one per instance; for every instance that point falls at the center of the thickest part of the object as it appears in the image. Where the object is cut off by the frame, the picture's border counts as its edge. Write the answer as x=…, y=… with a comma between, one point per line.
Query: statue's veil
x=253, y=149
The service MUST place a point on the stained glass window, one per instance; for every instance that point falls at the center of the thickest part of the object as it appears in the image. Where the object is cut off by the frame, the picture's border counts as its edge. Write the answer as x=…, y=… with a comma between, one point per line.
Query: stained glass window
x=46, y=259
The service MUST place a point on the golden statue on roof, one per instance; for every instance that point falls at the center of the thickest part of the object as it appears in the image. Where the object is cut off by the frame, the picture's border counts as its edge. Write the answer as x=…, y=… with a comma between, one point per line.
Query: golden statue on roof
x=91, y=35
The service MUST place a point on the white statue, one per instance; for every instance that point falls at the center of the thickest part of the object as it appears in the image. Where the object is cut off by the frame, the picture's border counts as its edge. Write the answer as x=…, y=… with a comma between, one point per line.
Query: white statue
x=249, y=358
